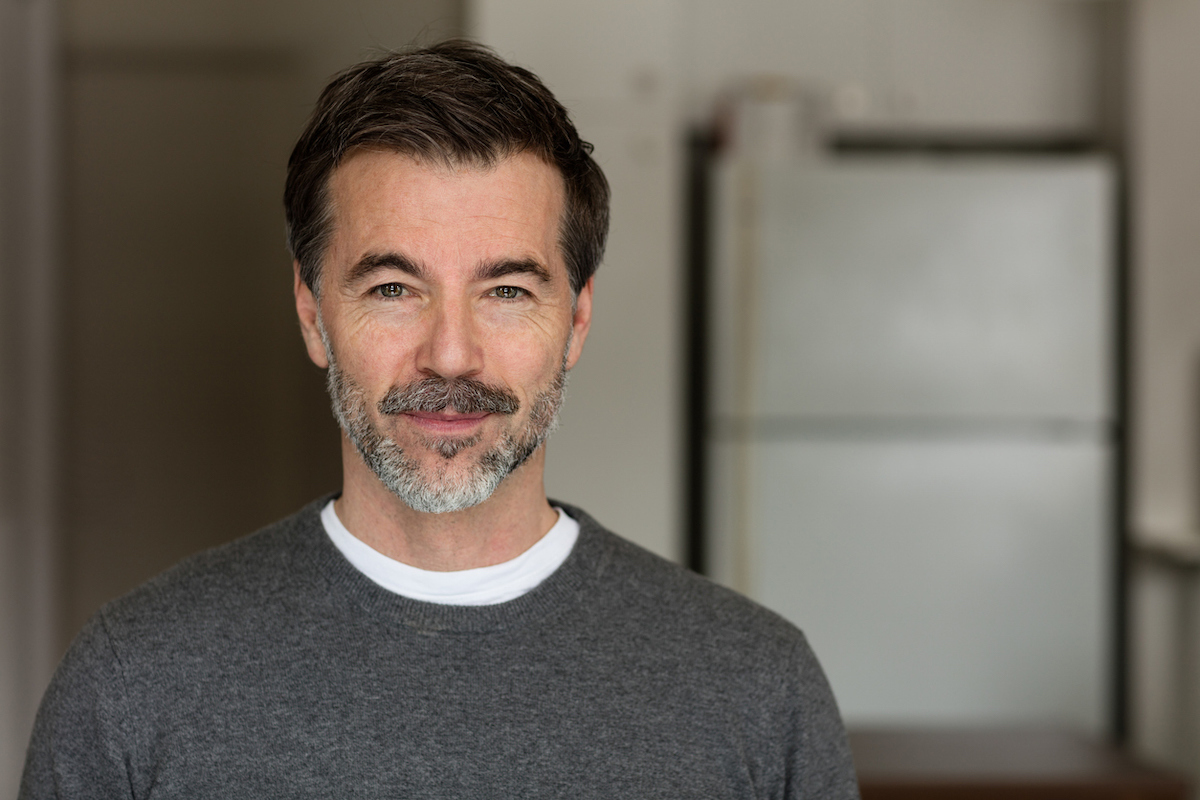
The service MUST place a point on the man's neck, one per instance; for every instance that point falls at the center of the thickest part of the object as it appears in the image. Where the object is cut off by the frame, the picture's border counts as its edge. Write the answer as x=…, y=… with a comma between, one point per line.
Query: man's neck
x=502, y=527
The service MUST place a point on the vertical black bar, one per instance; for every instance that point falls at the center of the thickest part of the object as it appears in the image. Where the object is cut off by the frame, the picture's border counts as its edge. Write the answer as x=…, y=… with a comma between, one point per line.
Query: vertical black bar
x=695, y=293
x=1112, y=127
x=1122, y=306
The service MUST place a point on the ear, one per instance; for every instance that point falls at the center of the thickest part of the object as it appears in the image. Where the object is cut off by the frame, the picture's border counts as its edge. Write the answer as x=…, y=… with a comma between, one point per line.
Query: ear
x=581, y=323
x=307, y=311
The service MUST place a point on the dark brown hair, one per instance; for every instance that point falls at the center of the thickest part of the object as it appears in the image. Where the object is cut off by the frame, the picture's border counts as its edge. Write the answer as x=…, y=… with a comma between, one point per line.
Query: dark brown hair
x=455, y=103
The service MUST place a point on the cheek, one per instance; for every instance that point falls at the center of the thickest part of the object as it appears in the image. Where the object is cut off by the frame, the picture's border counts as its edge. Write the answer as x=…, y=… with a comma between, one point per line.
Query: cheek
x=375, y=356
x=525, y=365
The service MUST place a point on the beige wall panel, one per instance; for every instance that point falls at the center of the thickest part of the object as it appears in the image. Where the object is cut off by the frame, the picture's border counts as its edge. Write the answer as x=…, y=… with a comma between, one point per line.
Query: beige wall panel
x=331, y=35
x=192, y=414
x=1165, y=165
x=1166, y=238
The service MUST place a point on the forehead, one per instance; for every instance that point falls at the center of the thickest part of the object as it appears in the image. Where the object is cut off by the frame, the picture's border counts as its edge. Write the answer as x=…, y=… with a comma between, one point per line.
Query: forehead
x=389, y=202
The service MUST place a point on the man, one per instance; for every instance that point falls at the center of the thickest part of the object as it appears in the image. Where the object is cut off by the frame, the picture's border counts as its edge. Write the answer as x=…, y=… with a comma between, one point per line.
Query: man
x=439, y=629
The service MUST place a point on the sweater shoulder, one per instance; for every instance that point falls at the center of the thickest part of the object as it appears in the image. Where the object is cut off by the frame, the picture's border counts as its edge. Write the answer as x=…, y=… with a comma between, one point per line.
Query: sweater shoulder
x=653, y=587
x=224, y=579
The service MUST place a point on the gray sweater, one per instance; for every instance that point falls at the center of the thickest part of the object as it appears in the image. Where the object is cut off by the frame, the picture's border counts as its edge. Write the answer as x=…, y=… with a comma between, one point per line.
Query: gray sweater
x=272, y=668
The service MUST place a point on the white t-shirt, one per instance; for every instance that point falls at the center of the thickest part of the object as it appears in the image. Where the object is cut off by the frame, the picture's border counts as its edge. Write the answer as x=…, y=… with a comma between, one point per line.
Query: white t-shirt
x=482, y=586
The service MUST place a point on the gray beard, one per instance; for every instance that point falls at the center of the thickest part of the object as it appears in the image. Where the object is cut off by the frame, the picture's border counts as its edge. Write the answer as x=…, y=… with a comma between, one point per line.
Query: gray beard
x=435, y=490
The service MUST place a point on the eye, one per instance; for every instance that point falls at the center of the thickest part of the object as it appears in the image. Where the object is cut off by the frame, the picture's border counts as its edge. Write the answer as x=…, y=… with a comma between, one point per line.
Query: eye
x=390, y=290
x=508, y=292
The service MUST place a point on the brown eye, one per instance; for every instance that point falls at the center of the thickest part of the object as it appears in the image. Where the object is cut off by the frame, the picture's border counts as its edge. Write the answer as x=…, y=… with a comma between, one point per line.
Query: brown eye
x=507, y=292
x=390, y=290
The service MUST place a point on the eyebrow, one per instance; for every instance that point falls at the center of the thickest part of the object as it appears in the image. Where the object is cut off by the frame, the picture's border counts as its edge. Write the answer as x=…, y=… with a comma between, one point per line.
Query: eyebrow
x=490, y=270
x=375, y=262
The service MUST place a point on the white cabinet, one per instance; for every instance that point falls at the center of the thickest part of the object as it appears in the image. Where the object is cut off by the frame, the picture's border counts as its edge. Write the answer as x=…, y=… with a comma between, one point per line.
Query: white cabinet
x=911, y=431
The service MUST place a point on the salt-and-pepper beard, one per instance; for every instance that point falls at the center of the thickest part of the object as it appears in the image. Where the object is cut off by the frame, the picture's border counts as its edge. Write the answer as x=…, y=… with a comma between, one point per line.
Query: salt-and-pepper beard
x=434, y=490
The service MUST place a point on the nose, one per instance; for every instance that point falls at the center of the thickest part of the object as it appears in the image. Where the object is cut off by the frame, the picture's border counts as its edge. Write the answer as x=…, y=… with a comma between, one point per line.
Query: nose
x=452, y=346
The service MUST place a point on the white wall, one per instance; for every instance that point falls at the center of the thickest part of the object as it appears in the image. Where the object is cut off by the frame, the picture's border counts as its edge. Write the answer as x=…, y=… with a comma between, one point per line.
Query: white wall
x=617, y=452
x=991, y=66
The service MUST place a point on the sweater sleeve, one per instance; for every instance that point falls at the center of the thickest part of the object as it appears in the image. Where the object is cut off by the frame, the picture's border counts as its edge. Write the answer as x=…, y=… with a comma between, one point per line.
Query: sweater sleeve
x=820, y=762
x=81, y=745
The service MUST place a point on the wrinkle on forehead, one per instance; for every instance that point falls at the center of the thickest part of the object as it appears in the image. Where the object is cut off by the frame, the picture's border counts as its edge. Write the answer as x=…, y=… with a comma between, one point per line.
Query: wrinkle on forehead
x=364, y=187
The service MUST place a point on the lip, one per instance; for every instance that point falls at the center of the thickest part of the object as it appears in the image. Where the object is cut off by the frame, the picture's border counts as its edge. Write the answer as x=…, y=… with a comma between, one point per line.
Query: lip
x=446, y=423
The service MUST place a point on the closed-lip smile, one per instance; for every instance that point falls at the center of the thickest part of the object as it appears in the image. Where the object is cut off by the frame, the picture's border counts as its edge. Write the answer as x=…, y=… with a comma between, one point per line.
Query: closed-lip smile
x=446, y=422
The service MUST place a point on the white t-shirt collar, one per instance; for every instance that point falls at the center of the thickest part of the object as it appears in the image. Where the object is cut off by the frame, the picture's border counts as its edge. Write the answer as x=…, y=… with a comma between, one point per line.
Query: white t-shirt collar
x=469, y=587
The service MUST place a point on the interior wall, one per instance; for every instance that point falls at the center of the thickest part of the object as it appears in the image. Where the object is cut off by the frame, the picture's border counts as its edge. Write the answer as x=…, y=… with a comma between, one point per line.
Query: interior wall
x=1164, y=39
x=28, y=236
x=1166, y=239
x=191, y=414
x=617, y=452
x=991, y=67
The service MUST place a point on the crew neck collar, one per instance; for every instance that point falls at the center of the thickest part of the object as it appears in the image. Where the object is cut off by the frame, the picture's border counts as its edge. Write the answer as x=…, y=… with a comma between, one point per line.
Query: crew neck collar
x=561, y=591
x=489, y=585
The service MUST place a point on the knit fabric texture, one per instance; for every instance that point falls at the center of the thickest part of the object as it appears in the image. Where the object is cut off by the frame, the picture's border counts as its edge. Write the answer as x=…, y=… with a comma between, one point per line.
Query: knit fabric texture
x=271, y=667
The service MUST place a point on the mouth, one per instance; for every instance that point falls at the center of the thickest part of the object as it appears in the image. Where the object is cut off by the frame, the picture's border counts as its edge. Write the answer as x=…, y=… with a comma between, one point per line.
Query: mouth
x=446, y=423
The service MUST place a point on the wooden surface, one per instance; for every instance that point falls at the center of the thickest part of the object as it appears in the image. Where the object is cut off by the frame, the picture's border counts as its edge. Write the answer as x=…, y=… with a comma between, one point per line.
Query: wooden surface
x=1031, y=764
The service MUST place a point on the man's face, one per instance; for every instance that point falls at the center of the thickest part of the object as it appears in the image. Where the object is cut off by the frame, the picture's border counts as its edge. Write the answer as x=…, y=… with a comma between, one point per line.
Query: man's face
x=446, y=320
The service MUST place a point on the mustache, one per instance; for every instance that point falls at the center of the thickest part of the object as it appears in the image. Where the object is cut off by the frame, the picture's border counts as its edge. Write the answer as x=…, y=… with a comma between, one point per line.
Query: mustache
x=464, y=395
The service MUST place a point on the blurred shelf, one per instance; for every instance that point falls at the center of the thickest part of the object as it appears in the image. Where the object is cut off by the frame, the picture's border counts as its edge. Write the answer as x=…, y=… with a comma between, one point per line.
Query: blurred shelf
x=1002, y=763
x=1179, y=549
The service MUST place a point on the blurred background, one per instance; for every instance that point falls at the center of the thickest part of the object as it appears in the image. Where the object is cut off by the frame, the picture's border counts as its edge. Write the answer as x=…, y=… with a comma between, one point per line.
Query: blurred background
x=896, y=331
